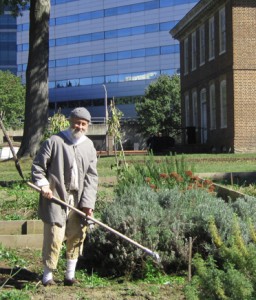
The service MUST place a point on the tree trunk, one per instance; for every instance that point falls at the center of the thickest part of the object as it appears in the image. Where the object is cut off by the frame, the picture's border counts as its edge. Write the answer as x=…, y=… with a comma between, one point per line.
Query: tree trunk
x=37, y=95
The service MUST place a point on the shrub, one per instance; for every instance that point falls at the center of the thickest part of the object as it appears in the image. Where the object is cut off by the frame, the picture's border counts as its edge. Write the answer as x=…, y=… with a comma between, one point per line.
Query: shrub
x=163, y=221
x=230, y=273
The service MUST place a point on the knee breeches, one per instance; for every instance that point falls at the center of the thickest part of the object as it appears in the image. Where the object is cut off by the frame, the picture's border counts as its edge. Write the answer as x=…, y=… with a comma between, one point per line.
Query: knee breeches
x=74, y=232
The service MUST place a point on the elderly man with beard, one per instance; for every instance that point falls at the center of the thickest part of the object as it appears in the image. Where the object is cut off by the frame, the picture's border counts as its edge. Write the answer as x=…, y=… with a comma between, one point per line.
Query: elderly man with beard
x=65, y=167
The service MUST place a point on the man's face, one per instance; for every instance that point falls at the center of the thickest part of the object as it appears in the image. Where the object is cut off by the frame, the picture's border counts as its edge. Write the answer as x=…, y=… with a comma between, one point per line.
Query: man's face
x=78, y=127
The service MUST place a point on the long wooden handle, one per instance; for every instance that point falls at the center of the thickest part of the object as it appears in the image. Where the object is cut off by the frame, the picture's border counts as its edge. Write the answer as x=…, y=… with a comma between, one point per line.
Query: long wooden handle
x=153, y=254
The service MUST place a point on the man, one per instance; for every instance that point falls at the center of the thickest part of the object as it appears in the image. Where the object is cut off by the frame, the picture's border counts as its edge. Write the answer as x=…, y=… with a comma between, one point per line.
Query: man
x=65, y=167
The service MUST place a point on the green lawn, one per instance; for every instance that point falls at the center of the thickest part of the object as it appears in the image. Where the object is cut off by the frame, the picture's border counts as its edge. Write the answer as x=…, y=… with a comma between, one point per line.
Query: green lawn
x=199, y=163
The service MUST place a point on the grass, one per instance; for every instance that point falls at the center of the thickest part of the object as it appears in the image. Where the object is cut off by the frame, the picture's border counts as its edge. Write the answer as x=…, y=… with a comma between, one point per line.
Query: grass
x=200, y=163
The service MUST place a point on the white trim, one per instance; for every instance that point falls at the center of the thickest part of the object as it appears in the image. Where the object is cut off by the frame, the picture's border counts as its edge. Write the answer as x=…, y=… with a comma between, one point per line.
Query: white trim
x=211, y=34
x=202, y=45
x=193, y=51
x=222, y=31
x=223, y=104
x=212, y=94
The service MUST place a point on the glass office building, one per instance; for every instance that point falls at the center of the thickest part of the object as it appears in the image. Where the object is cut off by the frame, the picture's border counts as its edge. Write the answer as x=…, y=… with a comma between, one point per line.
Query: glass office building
x=111, y=46
x=8, y=42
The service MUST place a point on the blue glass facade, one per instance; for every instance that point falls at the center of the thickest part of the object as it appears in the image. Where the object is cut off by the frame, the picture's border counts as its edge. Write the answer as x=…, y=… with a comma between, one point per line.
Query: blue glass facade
x=93, y=43
x=8, y=43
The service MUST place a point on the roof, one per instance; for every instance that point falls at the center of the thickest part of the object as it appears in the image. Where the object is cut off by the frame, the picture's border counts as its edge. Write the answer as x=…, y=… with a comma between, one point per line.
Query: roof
x=195, y=14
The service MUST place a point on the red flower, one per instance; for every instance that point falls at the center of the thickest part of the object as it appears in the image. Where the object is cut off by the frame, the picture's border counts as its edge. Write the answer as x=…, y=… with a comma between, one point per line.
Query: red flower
x=164, y=175
x=179, y=179
x=189, y=173
x=152, y=186
x=174, y=174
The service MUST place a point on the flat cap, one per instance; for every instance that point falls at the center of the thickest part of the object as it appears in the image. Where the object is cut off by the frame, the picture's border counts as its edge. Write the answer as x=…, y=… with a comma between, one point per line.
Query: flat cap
x=80, y=113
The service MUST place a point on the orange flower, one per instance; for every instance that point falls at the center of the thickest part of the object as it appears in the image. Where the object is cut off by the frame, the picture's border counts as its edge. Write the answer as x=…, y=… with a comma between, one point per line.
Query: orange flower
x=179, y=179
x=147, y=179
x=164, y=175
x=174, y=174
x=212, y=187
x=189, y=173
x=207, y=182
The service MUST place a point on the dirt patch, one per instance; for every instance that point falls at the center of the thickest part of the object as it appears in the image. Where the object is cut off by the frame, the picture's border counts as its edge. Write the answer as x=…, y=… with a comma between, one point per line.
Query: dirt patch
x=28, y=282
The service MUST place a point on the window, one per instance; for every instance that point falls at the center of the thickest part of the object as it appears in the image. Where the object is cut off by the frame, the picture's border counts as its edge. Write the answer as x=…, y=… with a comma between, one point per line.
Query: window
x=223, y=103
x=211, y=39
x=212, y=107
x=195, y=108
x=186, y=56
x=73, y=61
x=222, y=30
x=202, y=44
x=187, y=119
x=193, y=49
x=204, y=130
x=124, y=54
x=138, y=53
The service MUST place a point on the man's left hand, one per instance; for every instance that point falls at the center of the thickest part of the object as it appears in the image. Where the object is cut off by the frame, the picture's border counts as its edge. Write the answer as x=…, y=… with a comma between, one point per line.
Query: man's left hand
x=88, y=211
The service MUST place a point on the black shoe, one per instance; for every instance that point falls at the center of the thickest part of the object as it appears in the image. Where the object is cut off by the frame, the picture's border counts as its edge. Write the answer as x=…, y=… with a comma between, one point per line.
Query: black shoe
x=70, y=282
x=49, y=283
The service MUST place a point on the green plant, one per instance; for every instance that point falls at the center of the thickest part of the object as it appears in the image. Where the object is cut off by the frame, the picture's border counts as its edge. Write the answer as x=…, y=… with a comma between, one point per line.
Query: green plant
x=56, y=123
x=114, y=129
x=92, y=280
x=154, y=274
x=16, y=263
x=11, y=256
x=167, y=173
x=14, y=295
x=230, y=272
x=22, y=203
x=162, y=221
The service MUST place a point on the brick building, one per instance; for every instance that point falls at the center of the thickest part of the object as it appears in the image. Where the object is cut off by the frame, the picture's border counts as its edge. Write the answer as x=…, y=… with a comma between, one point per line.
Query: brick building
x=218, y=75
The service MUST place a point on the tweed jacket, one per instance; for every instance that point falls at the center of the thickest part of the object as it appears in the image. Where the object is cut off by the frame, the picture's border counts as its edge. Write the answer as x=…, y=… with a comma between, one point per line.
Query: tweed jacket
x=53, y=165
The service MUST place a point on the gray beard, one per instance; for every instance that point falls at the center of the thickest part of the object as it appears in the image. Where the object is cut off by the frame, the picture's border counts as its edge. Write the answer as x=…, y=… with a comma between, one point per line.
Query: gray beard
x=77, y=134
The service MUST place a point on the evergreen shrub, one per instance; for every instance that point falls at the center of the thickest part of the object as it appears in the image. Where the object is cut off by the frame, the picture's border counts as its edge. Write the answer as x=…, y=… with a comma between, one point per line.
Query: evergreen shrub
x=230, y=273
x=162, y=221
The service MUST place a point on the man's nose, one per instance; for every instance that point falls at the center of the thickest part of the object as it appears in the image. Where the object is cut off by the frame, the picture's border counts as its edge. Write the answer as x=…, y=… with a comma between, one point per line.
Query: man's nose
x=79, y=126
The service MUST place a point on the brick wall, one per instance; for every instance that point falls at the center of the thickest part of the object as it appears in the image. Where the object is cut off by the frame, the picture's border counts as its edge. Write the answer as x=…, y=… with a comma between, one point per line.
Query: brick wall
x=244, y=47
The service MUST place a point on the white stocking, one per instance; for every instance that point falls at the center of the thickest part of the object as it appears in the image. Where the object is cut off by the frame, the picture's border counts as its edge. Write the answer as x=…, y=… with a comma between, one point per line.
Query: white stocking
x=71, y=268
x=47, y=275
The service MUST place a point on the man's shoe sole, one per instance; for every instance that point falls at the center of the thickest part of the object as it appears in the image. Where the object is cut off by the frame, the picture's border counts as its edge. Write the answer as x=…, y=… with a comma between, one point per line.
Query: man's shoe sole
x=70, y=282
x=49, y=283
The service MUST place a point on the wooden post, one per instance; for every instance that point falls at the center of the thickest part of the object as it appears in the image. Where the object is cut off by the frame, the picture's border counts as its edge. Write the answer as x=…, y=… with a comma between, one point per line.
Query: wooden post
x=190, y=259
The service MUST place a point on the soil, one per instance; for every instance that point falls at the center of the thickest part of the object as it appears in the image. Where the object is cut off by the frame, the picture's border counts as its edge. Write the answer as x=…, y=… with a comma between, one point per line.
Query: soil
x=28, y=282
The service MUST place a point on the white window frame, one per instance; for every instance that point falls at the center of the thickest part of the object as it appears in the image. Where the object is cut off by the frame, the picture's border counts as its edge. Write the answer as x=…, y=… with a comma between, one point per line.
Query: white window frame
x=186, y=56
x=222, y=30
x=223, y=103
x=187, y=110
x=195, y=108
x=212, y=106
x=202, y=45
x=203, y=103
x=211, y=38
x=193, y=51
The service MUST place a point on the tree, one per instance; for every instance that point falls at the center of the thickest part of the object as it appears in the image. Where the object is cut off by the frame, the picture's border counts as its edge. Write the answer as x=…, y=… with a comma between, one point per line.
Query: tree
x=37, y=95
x=114, y=129
x=12, y=99
x=16, y=6
x=160, y=109
x=36, y=106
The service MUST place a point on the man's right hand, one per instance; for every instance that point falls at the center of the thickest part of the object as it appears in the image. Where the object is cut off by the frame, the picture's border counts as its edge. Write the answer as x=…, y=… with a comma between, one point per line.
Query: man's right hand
x=46, y=192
